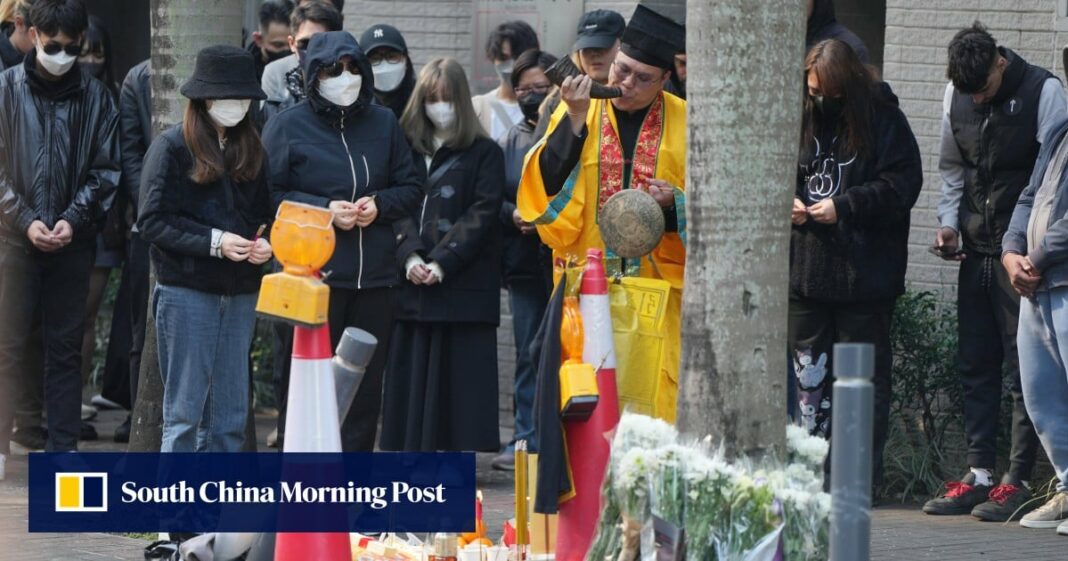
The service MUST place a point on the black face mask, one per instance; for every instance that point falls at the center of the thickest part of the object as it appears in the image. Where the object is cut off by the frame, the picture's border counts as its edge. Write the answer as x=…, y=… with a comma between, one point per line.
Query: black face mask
x=530, y=103
x=271, y=57
x=830, y=107
x=95, y=69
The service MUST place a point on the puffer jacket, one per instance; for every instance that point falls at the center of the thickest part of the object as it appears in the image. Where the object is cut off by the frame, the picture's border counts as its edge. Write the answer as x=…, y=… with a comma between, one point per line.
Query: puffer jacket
x=320, y=152
x=59, y=153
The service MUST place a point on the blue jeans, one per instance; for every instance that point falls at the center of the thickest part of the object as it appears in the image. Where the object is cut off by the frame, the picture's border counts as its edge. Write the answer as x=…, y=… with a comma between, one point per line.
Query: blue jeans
x=204, y=341
x=529, y=298
x=1042, y=341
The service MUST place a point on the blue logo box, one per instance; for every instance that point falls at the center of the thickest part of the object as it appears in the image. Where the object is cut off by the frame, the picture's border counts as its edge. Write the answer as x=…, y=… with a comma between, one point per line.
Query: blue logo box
x=250, y=492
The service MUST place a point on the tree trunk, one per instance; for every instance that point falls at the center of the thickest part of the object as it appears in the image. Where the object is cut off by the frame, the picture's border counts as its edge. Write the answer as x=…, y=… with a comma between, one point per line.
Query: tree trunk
x=744, y=85
x=180, y=28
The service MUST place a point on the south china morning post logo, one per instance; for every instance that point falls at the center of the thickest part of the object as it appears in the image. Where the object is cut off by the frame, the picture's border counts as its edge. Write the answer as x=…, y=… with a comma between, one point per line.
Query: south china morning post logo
x=215, y=492
x=81, y=492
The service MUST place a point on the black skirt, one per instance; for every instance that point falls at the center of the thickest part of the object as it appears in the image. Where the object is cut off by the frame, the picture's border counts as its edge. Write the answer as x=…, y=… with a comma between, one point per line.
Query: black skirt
x=441, y=388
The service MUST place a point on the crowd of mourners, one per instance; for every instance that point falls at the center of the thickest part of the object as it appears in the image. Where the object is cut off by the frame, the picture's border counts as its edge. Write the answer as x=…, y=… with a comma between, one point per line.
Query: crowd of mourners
x=440, y=199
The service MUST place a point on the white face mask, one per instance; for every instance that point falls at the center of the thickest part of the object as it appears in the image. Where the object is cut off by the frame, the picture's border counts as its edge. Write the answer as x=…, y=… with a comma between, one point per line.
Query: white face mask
x=389, y=75
x=342, y=90
x=57, y=64
x=441, y=113
x=228, y=112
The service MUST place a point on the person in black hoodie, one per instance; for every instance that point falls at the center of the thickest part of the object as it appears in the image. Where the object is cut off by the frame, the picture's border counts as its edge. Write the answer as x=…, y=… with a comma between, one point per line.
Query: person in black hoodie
x=394, y=74
x=859, y=174
x=338, y=150
x=204, y=208
x=441, y=393
x=823, y=24
x=59, y=167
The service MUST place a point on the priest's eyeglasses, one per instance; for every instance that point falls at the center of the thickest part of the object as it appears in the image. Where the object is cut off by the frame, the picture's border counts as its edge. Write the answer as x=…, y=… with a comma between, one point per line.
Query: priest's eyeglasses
x=641, y=79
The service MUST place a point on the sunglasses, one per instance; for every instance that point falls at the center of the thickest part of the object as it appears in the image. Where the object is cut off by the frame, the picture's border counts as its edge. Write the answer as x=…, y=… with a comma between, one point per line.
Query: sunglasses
x=53, y=48
x=335, y=70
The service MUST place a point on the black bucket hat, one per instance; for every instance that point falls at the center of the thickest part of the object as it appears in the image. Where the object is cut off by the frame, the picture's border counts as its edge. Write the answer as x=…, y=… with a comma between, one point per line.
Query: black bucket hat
x=223, y=72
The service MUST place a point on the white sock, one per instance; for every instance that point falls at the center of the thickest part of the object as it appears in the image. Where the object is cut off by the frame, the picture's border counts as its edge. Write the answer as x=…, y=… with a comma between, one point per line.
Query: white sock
x=982, y=477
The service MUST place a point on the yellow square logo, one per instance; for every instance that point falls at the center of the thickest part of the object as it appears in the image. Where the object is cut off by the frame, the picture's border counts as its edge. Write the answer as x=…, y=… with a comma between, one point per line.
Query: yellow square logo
x=81, y=492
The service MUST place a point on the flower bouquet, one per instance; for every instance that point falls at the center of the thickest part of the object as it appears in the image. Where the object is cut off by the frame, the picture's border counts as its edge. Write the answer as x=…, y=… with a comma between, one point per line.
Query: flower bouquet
x=725, y=511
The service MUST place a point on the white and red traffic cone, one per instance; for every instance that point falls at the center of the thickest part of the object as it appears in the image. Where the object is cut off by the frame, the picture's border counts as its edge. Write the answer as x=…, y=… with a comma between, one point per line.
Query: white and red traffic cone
x=312, y=426
x=589, y=442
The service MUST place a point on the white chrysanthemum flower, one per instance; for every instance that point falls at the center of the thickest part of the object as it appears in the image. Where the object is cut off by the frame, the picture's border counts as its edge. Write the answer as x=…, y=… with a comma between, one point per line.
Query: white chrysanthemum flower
x=811, y=449
x=644, y=432
x=636, y=465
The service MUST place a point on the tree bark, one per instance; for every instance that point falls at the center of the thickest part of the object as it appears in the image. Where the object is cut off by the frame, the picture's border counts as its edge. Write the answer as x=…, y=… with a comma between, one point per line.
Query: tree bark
x=744, y=92
x=180, y=28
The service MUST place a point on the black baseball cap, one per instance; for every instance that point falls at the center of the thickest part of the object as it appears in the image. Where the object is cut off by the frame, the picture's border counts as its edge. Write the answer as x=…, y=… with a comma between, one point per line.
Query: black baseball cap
x=599, y=29
x=383, y=35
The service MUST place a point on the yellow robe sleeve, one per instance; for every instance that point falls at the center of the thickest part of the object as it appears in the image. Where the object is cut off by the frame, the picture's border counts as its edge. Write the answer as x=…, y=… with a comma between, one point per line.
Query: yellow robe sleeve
x=559, y=219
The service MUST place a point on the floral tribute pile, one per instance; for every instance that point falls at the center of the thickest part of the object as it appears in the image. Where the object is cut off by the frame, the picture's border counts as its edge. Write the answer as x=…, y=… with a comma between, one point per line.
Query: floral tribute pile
x=661, y=492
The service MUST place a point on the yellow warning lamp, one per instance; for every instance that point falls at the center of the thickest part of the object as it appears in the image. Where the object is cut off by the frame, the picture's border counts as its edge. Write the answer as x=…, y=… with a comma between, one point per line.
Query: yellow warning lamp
x=303, y=241
x=578, y=381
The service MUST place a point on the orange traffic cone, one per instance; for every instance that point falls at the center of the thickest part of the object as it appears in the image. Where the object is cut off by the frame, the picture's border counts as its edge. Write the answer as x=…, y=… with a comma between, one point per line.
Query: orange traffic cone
x=589, y=442
x=312, y=426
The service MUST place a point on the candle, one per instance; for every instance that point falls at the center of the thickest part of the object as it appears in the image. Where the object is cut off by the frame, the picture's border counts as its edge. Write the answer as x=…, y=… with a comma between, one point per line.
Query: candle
x=522, y=537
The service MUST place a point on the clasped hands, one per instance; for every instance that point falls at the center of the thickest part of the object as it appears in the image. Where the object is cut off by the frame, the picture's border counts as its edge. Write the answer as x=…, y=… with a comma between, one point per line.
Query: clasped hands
x=349, y=215
x=822, y=212
x=1023, y=274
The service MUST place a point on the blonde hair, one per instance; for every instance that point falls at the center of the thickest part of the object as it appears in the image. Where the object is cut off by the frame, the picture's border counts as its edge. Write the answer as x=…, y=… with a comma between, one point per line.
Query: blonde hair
x=441, y=75
x=11, y=8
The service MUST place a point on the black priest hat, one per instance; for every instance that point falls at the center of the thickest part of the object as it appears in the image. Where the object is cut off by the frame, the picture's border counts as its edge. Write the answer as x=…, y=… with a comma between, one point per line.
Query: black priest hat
x=652, y=38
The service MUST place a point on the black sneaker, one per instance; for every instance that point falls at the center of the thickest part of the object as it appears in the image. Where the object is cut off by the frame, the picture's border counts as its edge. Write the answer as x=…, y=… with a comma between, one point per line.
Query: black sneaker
x=31, y=438
x=122, y=433
x=88, y=432
x=960, y=497
x=1008, y=501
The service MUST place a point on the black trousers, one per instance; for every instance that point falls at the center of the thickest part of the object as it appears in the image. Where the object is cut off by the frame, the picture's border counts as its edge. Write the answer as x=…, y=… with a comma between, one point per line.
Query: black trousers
x=53, y=287
x=815, y=327
x=29, y=405
x=371, y=310
x=988, y=311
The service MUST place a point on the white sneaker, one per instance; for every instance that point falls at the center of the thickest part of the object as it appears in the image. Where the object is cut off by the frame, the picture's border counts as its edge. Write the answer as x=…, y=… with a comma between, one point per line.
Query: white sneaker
x=88, y=412
x=1050, y=515
x=101, y=402
x=3, y=466
x=1063, y=528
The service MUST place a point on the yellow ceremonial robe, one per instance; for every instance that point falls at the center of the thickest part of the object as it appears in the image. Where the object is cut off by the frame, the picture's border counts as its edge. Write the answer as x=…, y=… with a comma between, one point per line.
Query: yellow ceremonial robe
x=567, y=221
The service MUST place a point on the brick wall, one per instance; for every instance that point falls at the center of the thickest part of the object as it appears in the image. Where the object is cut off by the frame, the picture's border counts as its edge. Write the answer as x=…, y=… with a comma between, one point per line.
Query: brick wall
x=917, y=32
x=432, y=28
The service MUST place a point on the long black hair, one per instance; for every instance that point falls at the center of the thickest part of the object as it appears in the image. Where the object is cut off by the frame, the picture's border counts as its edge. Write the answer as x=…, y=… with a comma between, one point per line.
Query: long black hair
x=98, y=39
x=841, y=75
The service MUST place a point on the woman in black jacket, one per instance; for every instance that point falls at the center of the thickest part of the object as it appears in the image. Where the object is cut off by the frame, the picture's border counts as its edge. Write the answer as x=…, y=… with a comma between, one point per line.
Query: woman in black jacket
x=338, y=150
x=859, y=173
x=204, y=207
x=441, y=393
